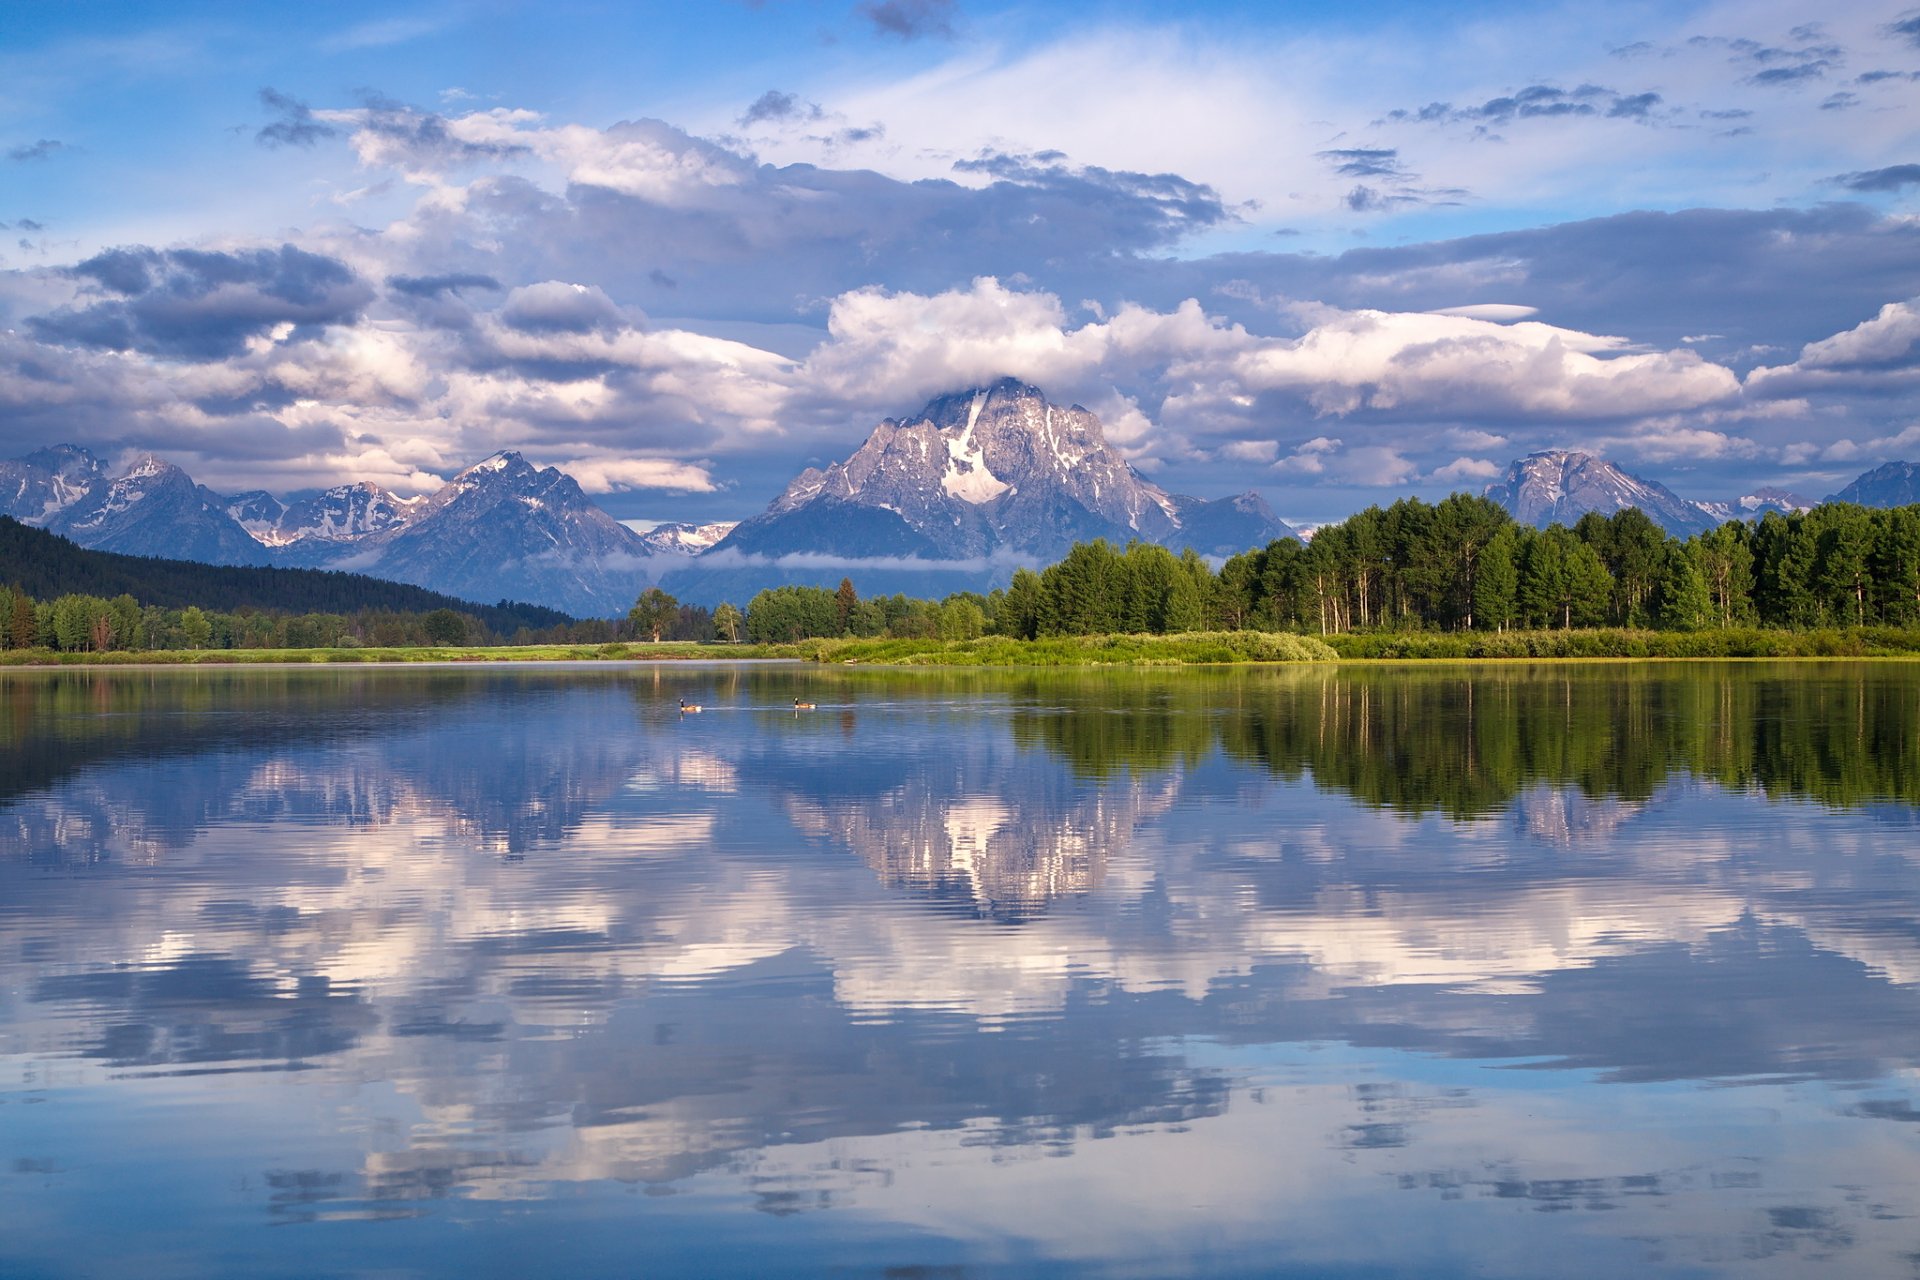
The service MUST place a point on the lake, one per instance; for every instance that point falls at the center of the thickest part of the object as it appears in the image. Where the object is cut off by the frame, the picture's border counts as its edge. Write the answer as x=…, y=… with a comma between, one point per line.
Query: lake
x=1597, y=969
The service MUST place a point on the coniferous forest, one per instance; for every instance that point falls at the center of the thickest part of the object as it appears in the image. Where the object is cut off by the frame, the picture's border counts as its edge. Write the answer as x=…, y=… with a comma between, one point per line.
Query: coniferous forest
x=1462, y=565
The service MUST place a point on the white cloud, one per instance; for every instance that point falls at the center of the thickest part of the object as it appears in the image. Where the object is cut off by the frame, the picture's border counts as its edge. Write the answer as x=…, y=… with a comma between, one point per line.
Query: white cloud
x=1465, y=469
x=605, y=475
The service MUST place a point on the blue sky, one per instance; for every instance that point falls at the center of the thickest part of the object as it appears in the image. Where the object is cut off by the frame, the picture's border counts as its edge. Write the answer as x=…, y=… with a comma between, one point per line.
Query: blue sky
x=684, y=250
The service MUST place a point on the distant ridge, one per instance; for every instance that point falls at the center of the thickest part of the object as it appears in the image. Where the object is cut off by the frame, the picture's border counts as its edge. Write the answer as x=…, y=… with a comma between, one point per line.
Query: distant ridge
x=1560, y=486
x=1896, y=484
x=45, y=565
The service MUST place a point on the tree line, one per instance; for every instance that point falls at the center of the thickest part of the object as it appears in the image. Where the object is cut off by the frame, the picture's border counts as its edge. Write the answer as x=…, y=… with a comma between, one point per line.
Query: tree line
x=1462, y=564
x=77, y=622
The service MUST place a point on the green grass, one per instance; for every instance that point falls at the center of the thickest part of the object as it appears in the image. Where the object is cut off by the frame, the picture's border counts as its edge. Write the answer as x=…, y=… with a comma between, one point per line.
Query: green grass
x=1194, y=648
x=669, y=650
x=1732, y=642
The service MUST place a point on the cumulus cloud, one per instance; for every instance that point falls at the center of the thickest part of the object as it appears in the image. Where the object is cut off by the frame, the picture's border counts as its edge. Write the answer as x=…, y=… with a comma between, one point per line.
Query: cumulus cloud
x=1880, y=354
x=202, y=303
x=1380, y=361
x=1468, y=470
x=555, y=306
x=607, y=475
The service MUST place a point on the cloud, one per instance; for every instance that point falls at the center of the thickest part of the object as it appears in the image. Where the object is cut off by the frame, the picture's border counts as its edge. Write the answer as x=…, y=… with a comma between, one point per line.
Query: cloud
x=1906, y=27
x=1364, y=162
x=607, y=475
x=1467, y=470
x=297, y=125
x=1538, y=102
x=554, y=306
x=441, y=285
x=387, y=133
x=1500, y=312
x=1882, y=353
x=1892, y=178
x=910, y=19
x=775, y=105
x=1372, y=361
x=200, y=303
x=44, y=149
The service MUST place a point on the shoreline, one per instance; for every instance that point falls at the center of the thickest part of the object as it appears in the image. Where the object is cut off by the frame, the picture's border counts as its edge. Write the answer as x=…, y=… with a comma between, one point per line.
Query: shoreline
x=1190, y=649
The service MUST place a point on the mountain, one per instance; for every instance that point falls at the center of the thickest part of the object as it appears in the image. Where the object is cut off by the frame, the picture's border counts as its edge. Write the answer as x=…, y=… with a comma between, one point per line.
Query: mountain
x=256, y=511
x=1753, y=505
x=678, y=539
x=1897, y=484
x=1560, y=486
x=45, y=565
x=500, y=528
x=41, y=485
x=153, y=508
x=343, y=514
x=955, y=496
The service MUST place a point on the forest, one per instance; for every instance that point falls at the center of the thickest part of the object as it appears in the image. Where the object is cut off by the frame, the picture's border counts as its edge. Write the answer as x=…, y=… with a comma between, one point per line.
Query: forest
x=1461, y=565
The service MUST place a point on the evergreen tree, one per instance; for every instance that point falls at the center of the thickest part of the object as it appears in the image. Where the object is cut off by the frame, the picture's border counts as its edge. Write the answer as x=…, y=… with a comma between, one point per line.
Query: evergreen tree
x=1496, y=583
x=1682, y=600
x=845, y=601
x=1020, y=608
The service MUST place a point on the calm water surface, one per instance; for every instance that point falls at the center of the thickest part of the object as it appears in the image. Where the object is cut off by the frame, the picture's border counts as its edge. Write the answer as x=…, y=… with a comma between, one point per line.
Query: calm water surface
x=1569, y=970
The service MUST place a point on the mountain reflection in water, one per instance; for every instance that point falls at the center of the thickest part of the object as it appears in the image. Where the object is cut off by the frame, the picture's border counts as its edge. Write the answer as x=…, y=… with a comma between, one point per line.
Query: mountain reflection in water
x=1287, y=971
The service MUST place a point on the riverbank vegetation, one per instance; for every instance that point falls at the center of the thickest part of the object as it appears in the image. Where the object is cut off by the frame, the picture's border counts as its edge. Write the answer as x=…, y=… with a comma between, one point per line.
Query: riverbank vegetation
x=1193, y=648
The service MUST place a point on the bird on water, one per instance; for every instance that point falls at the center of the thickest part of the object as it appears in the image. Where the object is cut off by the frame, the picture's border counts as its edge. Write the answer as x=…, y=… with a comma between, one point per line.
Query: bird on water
x=687, y=707
x=803, y=706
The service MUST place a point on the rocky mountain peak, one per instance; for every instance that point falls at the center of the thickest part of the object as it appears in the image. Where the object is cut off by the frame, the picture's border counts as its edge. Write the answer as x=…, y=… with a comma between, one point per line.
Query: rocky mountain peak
x=1892, y=484
x=1561, y=485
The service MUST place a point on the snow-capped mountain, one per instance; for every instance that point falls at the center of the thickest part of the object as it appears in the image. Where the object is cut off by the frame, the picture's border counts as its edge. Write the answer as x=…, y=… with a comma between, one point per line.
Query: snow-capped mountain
x=153, y=508
x=975, y=482
x=1560, y=486
x=1752, y=506
x=258, y=512
x=313, y=528
x=38, y=487
x=1896, y=484
x=679, y=539
x=501, y=529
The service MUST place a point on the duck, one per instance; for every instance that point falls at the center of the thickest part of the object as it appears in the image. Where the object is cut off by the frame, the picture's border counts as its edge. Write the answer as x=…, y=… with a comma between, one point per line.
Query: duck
x=803, y=706
x=686, y=706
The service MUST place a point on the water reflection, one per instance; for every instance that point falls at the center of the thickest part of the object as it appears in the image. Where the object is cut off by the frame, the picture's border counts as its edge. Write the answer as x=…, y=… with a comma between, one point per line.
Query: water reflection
x=1203, y=972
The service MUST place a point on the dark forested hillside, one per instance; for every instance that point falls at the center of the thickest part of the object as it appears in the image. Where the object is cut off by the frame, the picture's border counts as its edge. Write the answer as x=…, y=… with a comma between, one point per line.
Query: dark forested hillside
x=45, y=566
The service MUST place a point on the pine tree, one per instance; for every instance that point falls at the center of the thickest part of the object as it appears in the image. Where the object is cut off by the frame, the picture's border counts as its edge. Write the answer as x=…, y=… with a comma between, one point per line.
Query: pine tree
x=1684, y=603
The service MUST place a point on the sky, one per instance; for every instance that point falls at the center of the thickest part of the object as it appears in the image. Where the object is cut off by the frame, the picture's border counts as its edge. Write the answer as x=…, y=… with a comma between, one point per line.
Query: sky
x=1335, y=253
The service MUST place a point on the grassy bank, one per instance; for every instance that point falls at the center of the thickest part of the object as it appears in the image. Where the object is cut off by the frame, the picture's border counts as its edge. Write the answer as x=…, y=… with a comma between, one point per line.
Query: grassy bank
x=1190, y=649
x=637, y=652
x=1732, y=642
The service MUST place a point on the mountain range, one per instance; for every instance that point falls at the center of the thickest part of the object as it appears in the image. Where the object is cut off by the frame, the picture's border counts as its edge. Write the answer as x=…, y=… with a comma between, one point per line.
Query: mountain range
x=1561, y=485
x=951, y=498
x=957, y=495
